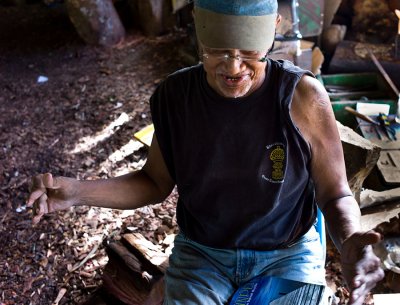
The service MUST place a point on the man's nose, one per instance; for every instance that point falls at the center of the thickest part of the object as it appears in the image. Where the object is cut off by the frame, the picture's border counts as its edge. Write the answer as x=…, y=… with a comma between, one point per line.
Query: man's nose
x=234, y=63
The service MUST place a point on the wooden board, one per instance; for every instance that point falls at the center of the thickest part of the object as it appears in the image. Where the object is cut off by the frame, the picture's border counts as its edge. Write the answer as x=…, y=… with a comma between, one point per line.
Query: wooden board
x=145, y=135
x=389, y=160
x=148, y=250
x=377, y=215
x=389, y=166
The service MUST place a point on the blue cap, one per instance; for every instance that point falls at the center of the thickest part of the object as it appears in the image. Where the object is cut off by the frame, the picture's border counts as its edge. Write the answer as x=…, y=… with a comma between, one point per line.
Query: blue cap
x=227, y=24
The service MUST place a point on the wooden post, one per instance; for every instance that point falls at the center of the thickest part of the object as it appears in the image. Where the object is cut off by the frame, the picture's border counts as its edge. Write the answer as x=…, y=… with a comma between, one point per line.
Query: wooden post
x=360, y=156
x=96, y=22
x=154, y=17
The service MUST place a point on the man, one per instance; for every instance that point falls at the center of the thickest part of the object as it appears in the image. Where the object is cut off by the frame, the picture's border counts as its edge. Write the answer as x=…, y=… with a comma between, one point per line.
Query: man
x=252, y=146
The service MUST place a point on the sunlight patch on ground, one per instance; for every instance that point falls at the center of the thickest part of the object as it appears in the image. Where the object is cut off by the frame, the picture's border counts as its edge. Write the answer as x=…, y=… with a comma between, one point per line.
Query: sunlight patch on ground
x=125, y=151
x=133, y=166
x=119, y=155
x=88, y=142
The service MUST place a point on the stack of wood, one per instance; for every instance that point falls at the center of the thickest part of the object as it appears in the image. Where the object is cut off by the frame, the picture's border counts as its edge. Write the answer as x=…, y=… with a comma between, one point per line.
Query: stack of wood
x=134, y=273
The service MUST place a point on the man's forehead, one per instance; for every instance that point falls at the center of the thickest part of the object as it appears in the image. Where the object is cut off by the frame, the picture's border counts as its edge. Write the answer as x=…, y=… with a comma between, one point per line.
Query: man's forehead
x=230, y=50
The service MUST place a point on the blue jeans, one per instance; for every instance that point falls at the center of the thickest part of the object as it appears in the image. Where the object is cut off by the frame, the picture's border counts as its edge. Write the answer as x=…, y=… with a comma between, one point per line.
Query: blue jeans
x=203, y=275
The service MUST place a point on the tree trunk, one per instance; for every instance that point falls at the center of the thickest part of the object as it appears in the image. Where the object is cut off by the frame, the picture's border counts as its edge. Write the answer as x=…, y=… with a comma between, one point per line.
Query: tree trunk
x=154, y=17
x=97, y=22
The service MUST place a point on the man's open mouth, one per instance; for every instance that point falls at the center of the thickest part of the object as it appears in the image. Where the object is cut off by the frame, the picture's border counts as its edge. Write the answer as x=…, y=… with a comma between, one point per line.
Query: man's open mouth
x=234, y=80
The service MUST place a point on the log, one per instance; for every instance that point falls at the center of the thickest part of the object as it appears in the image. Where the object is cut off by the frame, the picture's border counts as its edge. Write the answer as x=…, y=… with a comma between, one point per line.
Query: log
x=147, y=250
x=154, y=17
x=96, y=22
x=360, y=157
x=390, y=227
x=133, y=274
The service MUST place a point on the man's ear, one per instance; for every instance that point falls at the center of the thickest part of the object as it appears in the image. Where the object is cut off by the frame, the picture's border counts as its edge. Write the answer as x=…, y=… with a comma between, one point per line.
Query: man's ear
x=200, y=50
x=278, y=19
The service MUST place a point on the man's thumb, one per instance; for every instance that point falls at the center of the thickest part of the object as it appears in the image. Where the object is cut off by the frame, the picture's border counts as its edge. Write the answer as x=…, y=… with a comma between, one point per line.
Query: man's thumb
x=369, y=238
x=50, y=182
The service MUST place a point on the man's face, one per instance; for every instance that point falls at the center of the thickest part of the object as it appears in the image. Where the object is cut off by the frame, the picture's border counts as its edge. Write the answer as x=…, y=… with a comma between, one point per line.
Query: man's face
x=234, y=73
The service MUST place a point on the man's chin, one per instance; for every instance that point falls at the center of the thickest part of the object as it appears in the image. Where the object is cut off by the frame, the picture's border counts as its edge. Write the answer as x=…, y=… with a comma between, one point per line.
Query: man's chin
x=232, y=92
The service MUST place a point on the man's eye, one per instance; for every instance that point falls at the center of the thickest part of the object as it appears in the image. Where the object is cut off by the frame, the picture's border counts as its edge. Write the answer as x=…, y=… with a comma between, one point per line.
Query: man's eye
x=214, y=51
x=249, y=53
x=217, y=52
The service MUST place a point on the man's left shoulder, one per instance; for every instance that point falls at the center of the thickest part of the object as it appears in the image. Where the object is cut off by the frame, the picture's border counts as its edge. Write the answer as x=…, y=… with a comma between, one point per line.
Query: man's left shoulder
x=310, y=84
x=290, y=67
x=309, y=90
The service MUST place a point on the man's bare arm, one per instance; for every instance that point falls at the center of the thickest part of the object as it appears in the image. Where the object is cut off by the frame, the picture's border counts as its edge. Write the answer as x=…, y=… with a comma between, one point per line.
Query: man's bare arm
x=149, y=185
x=312, y=113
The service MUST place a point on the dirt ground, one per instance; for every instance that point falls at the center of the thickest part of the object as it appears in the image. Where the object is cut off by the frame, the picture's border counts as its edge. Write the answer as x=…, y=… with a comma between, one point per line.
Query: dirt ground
x=44, y=128
x=79, y=123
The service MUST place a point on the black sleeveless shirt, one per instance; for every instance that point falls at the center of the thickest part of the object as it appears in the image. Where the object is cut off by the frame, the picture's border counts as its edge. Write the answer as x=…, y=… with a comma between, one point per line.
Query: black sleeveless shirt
x=241, y=166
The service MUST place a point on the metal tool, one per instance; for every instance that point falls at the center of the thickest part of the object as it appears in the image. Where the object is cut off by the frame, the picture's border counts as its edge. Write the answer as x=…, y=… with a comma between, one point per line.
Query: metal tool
x=389, y=130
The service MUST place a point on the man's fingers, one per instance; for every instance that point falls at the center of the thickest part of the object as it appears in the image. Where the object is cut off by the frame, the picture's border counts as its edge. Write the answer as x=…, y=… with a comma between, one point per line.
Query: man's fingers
x=39, y=186
x=50, y=182
x=363, y=284
x=357, y=296
x=36, y=189
x=368, y=238
x=38, y=197
x=40, y=208
x=37, y=182
x=35, y=195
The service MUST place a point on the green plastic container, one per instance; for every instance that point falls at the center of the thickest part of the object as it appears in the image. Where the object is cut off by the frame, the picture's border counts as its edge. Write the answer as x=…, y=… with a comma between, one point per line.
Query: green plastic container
x=356, y=86
x=347, y=89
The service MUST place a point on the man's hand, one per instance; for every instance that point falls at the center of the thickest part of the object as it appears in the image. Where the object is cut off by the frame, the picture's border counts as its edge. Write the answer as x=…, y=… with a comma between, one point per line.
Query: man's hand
x=49, y=194
x=360, y=266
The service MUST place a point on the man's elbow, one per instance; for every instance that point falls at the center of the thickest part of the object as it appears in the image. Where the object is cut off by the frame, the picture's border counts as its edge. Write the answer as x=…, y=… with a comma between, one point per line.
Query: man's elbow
x=164, y=190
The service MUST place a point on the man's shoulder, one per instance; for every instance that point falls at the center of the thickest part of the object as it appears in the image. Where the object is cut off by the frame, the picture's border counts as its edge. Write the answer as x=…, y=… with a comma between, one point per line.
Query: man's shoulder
x=309, y=85
x=178, y=83
x=184, y=73
x=289, y=67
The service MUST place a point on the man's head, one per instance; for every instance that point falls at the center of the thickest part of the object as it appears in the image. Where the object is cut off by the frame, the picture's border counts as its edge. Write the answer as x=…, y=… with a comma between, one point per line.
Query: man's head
x=233, y=35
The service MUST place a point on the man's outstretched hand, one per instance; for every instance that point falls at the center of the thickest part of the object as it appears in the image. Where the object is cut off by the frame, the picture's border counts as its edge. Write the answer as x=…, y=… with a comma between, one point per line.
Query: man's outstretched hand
x=49, y=194
x=361, y=268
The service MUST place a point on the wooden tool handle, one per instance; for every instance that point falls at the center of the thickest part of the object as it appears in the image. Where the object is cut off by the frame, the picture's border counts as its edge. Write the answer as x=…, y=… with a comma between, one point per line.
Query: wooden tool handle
x=360, y=115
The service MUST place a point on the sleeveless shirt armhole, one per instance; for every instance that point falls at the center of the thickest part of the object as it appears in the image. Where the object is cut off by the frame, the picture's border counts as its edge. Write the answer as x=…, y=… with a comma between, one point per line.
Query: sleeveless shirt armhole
x=295, y=74
x=161, y=127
